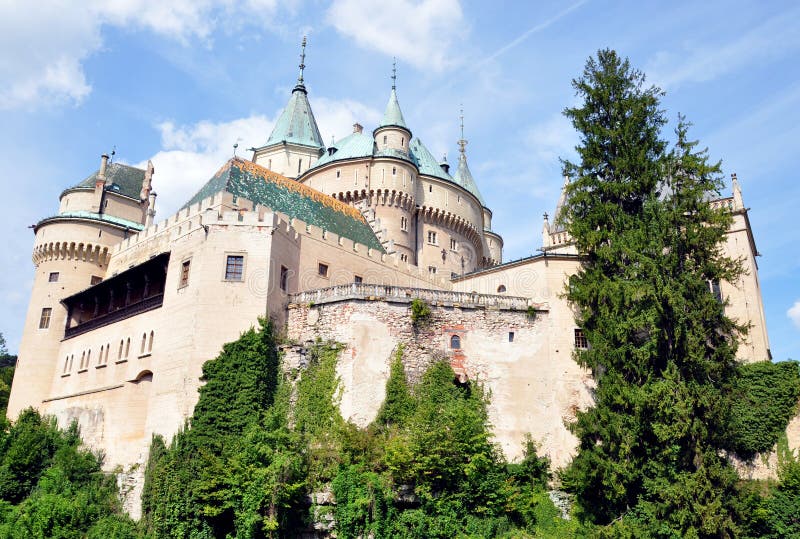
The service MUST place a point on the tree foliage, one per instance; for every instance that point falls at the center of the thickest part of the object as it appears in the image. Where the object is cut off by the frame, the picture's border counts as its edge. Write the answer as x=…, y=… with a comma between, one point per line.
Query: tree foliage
x=662, y=349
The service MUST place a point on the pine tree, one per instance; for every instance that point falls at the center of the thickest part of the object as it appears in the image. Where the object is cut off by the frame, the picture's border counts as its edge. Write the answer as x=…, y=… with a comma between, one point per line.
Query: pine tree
x=662, y=351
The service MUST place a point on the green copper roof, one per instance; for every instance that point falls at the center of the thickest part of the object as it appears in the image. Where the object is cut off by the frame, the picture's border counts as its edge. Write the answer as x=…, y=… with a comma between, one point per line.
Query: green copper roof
x=464, y=178
x=296, y=123
x=426, y=162
x=262, y=186
x=95, y=217
x=122, y=179
x=393, y=114
x=352, y=146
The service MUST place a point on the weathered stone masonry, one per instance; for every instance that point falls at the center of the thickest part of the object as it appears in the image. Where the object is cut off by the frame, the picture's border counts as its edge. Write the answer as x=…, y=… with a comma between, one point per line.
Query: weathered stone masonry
x=498, y=344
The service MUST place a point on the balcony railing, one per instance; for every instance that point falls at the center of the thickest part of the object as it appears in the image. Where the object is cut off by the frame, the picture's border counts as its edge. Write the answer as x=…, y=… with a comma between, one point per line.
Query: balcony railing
x=404, y=294
x=148, y=304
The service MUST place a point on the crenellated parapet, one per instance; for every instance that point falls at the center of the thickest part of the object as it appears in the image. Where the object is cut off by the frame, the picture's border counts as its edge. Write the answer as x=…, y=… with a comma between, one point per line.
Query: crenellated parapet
x=70, y=250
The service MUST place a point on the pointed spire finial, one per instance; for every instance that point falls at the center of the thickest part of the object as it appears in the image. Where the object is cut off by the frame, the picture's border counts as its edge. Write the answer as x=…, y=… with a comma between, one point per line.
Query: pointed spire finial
x=394, y=73
x=462, y=144
x=302, y=62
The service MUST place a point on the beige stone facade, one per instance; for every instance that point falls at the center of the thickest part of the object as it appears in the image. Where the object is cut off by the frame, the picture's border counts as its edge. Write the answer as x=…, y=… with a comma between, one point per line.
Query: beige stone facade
x=125, y=311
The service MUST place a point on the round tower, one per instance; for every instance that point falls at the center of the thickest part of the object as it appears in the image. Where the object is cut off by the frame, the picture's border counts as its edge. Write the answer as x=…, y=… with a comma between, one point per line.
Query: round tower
x=71, y=253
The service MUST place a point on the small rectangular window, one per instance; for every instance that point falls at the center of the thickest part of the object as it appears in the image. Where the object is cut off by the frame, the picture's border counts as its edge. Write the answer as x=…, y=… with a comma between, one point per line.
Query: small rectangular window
x=715, y=290
x=95, y=279
x=234, y=268
x=53, y=277
x=580, y=340
x=432, y=237
x=358, y=279
x=453, y=244
x=510, y=336
x=184, y=273
x=44, y=321
x=322, y=269
x=284, y=278
x=431, y=270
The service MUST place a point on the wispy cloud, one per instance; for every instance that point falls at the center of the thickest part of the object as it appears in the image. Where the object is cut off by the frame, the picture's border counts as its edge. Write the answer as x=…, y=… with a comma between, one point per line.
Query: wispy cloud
x=44, y=49
x=424, y=34
x=700, y=62
x=794, y=313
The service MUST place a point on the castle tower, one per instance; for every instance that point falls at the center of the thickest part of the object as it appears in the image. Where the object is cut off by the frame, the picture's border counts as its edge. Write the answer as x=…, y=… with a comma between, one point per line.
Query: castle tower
x=493, y=243
x=393, y=133
x=70, y=253
x=295, y=143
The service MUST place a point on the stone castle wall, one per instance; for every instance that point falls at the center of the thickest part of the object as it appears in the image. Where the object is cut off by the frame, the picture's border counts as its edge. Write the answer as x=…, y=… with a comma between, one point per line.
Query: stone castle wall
x=501, y=347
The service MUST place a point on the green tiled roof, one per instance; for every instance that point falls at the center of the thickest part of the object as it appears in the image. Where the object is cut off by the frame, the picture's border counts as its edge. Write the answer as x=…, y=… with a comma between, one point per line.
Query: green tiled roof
x=426, y=162
x=296, y=123
x=393, y=114
x=253, y=182
x=464, y=178
x=352, y=146
x=122, y=179
x=95, y=217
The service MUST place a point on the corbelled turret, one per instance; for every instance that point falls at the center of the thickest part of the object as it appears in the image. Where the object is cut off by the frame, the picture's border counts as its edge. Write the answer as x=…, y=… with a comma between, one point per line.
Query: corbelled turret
x=393, y=135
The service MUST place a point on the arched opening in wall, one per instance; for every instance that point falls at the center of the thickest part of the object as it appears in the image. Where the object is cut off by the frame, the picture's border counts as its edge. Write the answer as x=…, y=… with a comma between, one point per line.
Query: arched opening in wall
x=83, y=358
x=501, y=289
x=66, y=364
x=108, y=349
x=455, y=342
x=137, y=398
x=144, y=343
x=150, y=343
x=119, y=354
x=100, y=357
x=127, y=347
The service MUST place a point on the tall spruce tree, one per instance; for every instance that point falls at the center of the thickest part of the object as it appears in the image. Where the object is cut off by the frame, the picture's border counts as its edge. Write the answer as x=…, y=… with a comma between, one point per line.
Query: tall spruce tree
x=662, y=351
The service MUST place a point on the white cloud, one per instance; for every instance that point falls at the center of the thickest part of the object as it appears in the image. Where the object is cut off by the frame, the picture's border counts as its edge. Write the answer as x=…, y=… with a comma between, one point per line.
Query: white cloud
x=794, y=313
x=775, y=37
x=191, y=154
x=422, y=33
x=44, y=47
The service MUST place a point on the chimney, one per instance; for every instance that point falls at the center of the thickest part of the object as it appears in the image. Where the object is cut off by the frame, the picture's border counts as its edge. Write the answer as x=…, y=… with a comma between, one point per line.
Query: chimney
x=100, y=185
x=151, y=210
x=147, y=183
x=103, y=165
x=358, y=128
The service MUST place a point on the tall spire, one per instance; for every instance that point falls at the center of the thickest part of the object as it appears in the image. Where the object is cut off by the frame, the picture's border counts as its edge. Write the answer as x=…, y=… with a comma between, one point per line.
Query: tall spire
x=393, y=115
x=462, y=143
x=300, y=86
x=463, y=176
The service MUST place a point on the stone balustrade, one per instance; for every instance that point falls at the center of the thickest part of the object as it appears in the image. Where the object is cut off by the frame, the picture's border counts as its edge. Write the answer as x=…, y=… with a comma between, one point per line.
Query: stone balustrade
x=404, y=294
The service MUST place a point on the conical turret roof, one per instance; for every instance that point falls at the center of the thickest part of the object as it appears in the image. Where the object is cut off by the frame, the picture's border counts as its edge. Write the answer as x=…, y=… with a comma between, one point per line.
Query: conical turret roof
x=464, y=178
x=393, y=115
x=296, y=123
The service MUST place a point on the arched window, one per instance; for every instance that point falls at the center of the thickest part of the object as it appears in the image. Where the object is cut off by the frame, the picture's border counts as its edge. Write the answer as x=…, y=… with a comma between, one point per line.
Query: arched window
x=127, y=347
x=108, y=349
x=83, y=358
x=384, y=139
x=119, y=354
x=144, y=342
x=501, y=289
x=66, y=364
x=455, y=342
x=100, y=357
x=150, y=344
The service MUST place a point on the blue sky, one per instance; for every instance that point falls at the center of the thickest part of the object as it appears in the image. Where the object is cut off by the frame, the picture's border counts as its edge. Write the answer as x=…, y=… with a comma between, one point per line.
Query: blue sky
x=180, y=82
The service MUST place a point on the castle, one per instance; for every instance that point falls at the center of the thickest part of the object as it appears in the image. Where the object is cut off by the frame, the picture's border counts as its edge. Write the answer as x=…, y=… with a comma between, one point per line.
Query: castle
x=330, y=242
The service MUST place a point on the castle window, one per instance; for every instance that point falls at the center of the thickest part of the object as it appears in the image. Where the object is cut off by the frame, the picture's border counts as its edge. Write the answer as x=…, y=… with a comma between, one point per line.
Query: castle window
x=66, y=364
x=501, y=289
x=127, y=347
x=403, y=257
x=355, y=177
x=394, y=171
x=453, y=244
x=459, y=199
x=108, y=349
x=150, y=344
x=322, y=269
x=119, y=354
x=144, y=343
x=100, y=357
x=431, y=270
x=358, y=279
x=269, y=164
x=403, y=141
x=510, y=336
x=95, y=279
x=44, y=320
x=432, y=237
x=580, y=340
x=384, y=139
x=455, y=342
x=299, y=164
x=338, y=173
x=284, y=283
x=53, y=278
x=430, y=189
x=184, y=281
x=234, y=268
x=715, y=289
x=404, y=224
